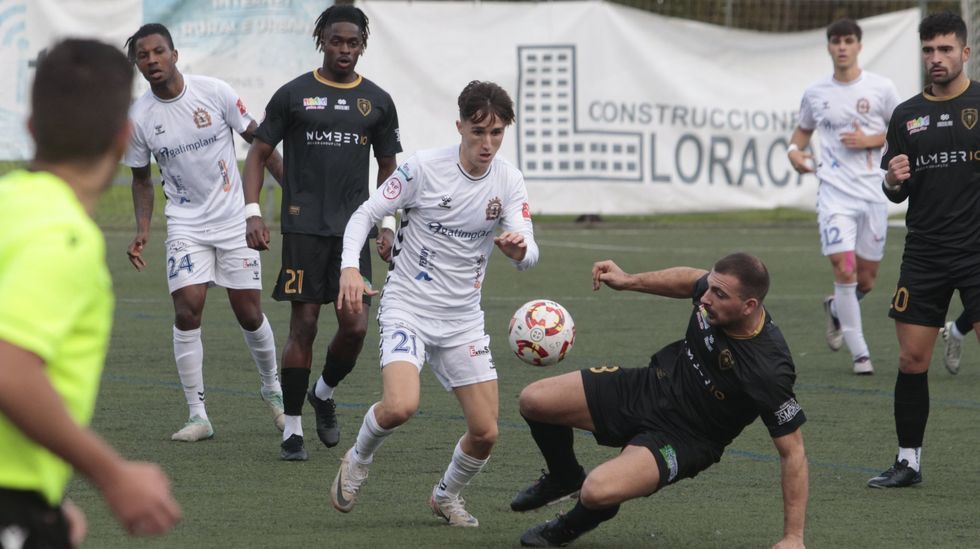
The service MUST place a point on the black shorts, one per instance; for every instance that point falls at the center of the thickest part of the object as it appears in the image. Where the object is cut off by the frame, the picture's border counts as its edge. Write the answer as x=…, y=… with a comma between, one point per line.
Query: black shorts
x=310, y=271
x=44, y=526
x=926, y=284
x=625, y=411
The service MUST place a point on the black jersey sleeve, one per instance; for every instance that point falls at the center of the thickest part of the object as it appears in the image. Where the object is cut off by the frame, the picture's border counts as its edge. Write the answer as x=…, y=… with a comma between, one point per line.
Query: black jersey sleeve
x=895, y=144
x=386, y=138
x=700, y=287
x=273, y=127
x=771, y=387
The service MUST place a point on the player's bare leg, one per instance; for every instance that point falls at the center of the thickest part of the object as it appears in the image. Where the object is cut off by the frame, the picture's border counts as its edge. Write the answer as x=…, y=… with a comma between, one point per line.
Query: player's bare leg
x=189, y=356
x=246, y=304
x=341, y=357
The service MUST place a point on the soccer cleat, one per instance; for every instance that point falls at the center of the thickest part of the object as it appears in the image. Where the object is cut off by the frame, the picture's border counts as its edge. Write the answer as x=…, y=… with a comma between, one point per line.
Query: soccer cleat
x=452, y=510
x=899, y=475
x=325, y=412
x=835, y=336
x=863, y=367
x=554, y=533
x=197, y=428
x=274, y=400
x=350, y=477
x=953, y=349
x=292, y=449
x=546, y=491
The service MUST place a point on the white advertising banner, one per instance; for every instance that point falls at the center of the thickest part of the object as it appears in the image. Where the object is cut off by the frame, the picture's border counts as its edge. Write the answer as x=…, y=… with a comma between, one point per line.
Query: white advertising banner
x=619, y=111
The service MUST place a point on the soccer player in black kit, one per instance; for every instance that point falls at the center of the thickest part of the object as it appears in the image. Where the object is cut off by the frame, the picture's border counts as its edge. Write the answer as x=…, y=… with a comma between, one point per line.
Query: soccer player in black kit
x=933, y=159
x=674, y=418
x=329, y=119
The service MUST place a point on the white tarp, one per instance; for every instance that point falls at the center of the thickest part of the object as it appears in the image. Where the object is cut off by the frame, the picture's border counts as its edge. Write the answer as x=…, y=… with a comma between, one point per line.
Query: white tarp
x=619, y=110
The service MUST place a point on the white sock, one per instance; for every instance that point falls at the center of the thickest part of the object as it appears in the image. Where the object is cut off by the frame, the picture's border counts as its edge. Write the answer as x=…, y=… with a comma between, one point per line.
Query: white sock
x=189, y=355
x=954, y=332
x=322, y=390
x=293, y=426
x=461, y=470
x=912, y=455
x=369, y=437
x=262, y=345
x=849, y=316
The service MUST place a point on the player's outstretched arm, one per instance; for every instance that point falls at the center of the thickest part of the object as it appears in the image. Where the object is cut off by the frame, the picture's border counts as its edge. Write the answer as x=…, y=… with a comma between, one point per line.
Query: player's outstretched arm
x=137, y=493
x=143, y=209
x=677, y=282
x=256, y=233
x=795, y=482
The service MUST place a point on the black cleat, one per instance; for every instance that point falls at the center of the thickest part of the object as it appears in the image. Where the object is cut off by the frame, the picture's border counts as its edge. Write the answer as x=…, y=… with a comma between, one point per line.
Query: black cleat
x=325, y=412
x=292, y=449
x=546, y=491
x=554, y=533
x=897, y=476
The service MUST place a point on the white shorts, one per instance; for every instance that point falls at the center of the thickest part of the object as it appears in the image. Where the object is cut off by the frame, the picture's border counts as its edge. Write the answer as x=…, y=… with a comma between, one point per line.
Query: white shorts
x=457, y=351
x=219, y=258
x=849, y=224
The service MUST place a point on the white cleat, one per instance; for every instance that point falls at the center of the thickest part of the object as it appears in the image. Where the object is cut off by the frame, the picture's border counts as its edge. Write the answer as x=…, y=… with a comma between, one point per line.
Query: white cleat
x=350, y=477
x=274, y=399
x=835, y=336
x=197, y=428
x=452, y=510
x=953, y=349
x=863, y=367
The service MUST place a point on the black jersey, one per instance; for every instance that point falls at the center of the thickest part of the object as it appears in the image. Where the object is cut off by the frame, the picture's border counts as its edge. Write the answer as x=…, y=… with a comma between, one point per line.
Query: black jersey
x=328, y=129
x=715, y=384
x=941, y=138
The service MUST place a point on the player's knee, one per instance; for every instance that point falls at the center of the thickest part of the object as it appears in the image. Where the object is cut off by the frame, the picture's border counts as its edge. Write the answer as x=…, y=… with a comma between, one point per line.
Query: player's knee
x=396, y=413
x=187, y=319
x=530, y=401
x=352, y=335
x=484, y=437
x=596, y=494
x=914, y=361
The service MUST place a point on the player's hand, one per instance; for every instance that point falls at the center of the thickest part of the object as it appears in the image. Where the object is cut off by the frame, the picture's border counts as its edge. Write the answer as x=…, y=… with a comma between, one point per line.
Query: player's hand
x=801, y=161
x=77, y=523
x=353, y=288
x=856, y=139
x=256, y=233
x=511, y=244
x=790, y=542
x=384, y=241
x=135, y=251
x=608, y=273
x=138, y=494
x=898, y=170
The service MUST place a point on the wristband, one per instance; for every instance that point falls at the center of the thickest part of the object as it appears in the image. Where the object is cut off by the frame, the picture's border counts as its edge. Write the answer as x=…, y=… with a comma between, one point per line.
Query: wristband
x=252, y=209
x=792, y=147
x=891, y=188
x=388, y=222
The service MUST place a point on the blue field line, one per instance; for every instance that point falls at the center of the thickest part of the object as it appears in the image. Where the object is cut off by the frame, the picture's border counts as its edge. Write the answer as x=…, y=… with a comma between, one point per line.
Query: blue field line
x=953, y=403
x=511, y=425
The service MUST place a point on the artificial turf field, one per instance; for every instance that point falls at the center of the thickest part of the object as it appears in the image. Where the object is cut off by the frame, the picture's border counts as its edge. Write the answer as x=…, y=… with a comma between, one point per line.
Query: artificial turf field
x=236, y=493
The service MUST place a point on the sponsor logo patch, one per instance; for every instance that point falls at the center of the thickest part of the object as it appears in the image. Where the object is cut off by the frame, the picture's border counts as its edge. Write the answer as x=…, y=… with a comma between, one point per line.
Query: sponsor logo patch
x=917, y=125
x=241, y=107
x=670, y=456
x=526, y=211
x=392, y=189
x=944, y=121
x=787, y=411
x=315, y=103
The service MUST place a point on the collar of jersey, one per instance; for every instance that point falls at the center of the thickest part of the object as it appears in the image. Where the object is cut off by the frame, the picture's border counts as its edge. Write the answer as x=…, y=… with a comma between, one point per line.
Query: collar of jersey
x=755, y=332
x=332, y=84
x=931, y=97
x=470, y=177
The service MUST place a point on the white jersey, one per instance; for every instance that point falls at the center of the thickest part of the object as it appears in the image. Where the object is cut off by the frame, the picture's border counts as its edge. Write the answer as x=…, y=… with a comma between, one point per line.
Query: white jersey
x=192, y=139
x=447, y=229
x=831, y=108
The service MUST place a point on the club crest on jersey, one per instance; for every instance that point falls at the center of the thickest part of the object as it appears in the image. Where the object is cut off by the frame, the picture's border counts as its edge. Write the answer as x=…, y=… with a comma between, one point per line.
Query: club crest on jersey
x=493, y=209
x=364, y=106
x=202, y=118
x=863, y=106
x=969, y=118
x=726, y=360
x=392, y=189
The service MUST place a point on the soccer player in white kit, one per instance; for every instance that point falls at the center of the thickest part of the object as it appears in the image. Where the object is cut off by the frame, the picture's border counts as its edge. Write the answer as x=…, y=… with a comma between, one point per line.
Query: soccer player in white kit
x=850, y=111
x=452, y=199
x=187, y=123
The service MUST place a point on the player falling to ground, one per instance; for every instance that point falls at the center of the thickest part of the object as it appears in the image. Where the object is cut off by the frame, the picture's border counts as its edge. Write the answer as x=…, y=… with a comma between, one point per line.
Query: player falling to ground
x=930, y=157
x=849, y=110
x=56, y=315
x=453, y=200
x=672, y=419
x=329, y=119
x=187, y=123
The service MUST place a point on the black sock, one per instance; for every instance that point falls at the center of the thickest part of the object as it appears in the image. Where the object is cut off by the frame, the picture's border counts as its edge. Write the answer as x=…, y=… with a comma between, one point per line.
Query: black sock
x=963, y=323
x=334, y=370
x=557, y=447
x=911, y=408
x=582, y=519
x=294, y=381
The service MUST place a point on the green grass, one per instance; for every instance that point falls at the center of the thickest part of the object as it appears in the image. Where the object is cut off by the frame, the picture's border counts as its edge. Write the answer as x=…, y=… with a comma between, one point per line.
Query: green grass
x=235, y=493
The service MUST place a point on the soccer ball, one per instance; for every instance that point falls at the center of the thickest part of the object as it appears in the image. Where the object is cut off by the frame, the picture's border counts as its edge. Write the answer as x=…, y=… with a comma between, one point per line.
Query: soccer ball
x=541, y=332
